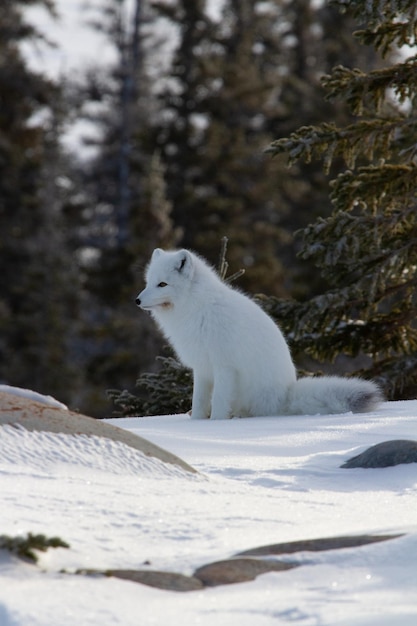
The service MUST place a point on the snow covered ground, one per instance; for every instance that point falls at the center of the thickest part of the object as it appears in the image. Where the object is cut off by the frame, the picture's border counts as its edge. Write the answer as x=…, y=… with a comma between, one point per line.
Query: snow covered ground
x=263, y=481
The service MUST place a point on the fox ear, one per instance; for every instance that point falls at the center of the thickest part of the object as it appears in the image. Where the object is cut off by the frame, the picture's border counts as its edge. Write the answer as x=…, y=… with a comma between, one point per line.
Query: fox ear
x=184, y=263
x=156, y=253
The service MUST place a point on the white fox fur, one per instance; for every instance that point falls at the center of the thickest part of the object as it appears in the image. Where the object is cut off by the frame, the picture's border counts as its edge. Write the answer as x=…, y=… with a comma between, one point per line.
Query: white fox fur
x=240, y=360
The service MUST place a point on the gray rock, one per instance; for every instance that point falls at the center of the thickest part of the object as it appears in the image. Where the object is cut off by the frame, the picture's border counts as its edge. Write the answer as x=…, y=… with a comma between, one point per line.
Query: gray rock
x=238, y=571
x=161, y=580
x=316, y=545
x=385, y=454
x=36, y=416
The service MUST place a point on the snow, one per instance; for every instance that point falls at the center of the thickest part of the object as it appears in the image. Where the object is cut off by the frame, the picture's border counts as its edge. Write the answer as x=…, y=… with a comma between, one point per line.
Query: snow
x=261, y=481
x=33, y=395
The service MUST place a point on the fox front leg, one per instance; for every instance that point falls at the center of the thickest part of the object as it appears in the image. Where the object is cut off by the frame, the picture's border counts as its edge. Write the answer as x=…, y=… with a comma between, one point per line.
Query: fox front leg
x=202, y=390
x=223, y=394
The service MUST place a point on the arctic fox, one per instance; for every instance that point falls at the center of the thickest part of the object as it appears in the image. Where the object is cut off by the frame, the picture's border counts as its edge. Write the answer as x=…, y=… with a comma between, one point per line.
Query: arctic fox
x=241, y=363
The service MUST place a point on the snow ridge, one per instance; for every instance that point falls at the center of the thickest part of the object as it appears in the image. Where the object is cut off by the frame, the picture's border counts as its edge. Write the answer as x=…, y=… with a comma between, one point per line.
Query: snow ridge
x=50, y=451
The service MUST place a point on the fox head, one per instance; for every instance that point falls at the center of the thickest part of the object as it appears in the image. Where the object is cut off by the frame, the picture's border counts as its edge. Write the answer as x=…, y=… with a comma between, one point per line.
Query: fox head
x=166, y=278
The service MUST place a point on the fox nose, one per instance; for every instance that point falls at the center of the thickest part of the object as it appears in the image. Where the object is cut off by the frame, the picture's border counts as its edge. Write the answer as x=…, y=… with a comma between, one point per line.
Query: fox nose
x=137, y=301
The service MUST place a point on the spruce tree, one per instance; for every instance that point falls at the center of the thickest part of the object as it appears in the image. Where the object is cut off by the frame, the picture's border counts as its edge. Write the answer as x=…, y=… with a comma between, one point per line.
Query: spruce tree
x=128, y=213
x=216, y=110
x=366, y=249
x=38, y=285
x=236, y=83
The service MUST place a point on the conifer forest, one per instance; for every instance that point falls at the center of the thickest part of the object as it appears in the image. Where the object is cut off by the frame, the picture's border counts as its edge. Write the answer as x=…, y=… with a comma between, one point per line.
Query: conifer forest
x=287, y=127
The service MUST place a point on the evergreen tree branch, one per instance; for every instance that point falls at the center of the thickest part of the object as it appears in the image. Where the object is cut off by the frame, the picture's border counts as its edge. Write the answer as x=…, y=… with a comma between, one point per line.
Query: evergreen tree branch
x=367, y=91
x=366, y=138
x=25, y=547
x=393, y=186
x=390, y=23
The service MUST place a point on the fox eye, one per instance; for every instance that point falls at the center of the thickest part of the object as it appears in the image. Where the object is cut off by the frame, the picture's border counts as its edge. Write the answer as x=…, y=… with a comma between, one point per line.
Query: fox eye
x=162, y=284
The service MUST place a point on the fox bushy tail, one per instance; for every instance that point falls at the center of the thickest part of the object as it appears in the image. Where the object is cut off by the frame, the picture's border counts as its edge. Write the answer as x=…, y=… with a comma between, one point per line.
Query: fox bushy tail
x=332, y=394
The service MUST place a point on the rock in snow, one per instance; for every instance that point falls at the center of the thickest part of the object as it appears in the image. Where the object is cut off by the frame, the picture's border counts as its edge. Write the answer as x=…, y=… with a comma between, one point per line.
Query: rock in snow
x=385, y=454
x=36, y=416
